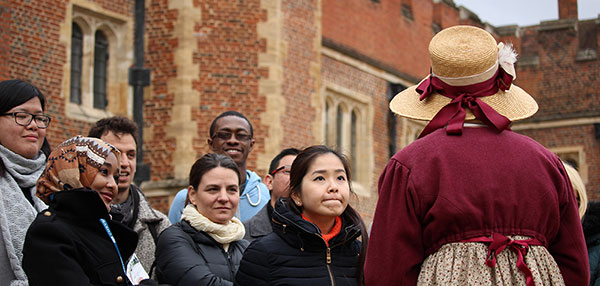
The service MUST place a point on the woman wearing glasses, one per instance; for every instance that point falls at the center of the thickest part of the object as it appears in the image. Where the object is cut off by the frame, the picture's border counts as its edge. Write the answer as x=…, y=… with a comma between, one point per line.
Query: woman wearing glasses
x=23, y=152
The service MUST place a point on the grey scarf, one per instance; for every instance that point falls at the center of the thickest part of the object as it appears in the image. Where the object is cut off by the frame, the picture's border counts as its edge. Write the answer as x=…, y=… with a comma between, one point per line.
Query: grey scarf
x=16, y=213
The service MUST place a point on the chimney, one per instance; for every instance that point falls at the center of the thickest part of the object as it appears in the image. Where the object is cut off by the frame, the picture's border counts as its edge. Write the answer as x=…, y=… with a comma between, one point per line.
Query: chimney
x=567, y=9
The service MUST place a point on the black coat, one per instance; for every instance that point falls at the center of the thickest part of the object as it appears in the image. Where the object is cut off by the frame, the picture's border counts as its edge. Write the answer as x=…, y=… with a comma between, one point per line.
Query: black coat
x=186, y=256
x=296, y=254
x=67, y=244
x=591, y=229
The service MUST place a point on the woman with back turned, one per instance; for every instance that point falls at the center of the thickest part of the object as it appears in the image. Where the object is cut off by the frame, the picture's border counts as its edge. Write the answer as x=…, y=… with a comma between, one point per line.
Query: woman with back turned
x=471, y=202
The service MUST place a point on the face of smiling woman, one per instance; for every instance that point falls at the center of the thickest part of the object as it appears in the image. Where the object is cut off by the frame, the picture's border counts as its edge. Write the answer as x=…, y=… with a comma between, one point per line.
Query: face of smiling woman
x=217, y=195
x=325, y=189
x=105, y=181
x=23, y=140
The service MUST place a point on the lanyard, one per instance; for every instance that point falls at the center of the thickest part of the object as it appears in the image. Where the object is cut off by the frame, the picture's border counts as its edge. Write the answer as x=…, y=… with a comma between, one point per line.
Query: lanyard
x=112, y=238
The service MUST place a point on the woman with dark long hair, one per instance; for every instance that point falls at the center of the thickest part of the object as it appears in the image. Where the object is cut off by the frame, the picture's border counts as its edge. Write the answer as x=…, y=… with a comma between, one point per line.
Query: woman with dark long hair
x=315, y=230
x=23, y=152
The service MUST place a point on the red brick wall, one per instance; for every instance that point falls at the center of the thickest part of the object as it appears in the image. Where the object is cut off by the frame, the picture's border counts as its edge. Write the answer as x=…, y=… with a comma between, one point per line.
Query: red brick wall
x=379, y=30
x=5, y=38
x=300, y=32
x=227, y=79
x=567, y=9
x=229, y=73
x=564, y=88
x=159, y=57
x=36, y=55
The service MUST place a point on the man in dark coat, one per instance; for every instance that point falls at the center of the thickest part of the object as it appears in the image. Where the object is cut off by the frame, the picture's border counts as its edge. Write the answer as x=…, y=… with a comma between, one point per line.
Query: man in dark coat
x=277, y=180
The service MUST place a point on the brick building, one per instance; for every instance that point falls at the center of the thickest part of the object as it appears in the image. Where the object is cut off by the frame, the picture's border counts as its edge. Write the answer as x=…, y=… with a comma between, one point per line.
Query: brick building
x=303, y=71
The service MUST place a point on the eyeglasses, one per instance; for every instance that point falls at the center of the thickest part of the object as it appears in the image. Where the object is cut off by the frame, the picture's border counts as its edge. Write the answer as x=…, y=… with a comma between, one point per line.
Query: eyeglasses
x=24, y=118
x=286, y=170
x=227, y=135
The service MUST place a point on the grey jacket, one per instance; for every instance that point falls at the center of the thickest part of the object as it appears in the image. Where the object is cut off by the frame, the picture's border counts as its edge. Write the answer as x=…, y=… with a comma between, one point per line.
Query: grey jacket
x=146, y=247
x=259, y=225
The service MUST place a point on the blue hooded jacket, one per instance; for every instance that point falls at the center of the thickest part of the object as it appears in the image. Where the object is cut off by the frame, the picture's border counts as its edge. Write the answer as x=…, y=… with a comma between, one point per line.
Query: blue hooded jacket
x=254, y=197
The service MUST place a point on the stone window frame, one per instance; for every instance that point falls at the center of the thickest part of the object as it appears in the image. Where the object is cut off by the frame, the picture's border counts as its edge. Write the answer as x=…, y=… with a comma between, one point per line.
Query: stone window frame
x=575, y=154
x=118, y=30
x=411, y=129
x=350, y=102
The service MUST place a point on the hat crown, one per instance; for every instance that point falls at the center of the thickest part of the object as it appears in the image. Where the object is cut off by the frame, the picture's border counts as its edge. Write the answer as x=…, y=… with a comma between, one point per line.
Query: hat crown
x=462, y=51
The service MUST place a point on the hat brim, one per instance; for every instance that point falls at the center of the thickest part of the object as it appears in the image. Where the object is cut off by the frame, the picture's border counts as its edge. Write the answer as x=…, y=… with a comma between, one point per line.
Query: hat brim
x=515, y=104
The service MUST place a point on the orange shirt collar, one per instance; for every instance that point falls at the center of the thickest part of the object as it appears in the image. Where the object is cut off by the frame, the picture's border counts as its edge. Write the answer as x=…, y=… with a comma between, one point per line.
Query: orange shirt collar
x=337, y=227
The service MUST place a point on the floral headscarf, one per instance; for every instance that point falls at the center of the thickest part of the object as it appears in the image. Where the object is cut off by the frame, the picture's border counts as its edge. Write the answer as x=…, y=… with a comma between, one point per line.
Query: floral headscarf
x=73, y=164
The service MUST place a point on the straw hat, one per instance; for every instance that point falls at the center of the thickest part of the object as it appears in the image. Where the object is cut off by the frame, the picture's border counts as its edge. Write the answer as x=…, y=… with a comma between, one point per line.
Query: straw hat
x=463, y=56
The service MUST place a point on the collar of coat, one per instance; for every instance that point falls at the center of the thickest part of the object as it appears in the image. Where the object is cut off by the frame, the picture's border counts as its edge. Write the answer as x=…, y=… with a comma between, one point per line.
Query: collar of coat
x=84, y=208
x=305, y=235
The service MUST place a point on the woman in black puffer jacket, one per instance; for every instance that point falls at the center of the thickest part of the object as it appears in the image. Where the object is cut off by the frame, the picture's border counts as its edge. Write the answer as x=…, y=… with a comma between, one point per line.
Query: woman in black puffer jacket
x=315, y=231
x=205, y=248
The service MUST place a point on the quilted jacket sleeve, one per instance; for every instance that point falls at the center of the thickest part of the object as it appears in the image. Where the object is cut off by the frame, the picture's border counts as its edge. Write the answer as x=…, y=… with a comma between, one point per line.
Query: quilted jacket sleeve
x=254, y=267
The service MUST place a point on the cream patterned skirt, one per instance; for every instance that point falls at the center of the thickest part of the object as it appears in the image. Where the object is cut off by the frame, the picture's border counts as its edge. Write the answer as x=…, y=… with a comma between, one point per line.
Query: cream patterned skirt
x=464, y=263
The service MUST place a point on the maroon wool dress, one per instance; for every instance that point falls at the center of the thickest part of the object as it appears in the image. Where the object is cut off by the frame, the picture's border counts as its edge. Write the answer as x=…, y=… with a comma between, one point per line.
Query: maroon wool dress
x=442, y=190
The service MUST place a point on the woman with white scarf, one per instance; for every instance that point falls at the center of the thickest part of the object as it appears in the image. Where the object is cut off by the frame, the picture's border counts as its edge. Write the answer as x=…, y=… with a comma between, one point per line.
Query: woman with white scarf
x=23, y=152
x=206, y=246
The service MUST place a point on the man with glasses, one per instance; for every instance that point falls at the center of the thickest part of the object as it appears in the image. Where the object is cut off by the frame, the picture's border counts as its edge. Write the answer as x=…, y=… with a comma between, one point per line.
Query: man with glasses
x=231, y=134
x=277, y=180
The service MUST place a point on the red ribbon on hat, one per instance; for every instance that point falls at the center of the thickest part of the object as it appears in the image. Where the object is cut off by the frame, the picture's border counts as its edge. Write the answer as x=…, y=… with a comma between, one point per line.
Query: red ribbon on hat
x=453, y=114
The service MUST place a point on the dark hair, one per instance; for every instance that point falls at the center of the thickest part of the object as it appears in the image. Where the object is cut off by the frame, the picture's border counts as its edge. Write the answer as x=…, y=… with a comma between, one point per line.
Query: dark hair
x=229, y=113
x=117, y=125
x=277, y=159
x=208, y=162
x=14, y=92
x=299, y=169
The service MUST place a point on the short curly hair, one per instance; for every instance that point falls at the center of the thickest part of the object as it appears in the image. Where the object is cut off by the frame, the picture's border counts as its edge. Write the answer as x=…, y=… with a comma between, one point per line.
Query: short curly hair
x=116, y=125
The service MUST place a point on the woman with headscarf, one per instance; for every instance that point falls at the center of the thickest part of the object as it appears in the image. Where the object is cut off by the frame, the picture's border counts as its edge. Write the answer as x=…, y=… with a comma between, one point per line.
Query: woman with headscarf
x=74, y=241
x=23, y=152
x=471, y=202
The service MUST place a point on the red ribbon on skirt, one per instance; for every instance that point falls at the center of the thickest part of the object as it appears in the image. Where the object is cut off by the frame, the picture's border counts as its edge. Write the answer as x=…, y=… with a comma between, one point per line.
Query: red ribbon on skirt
x=499, y=242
